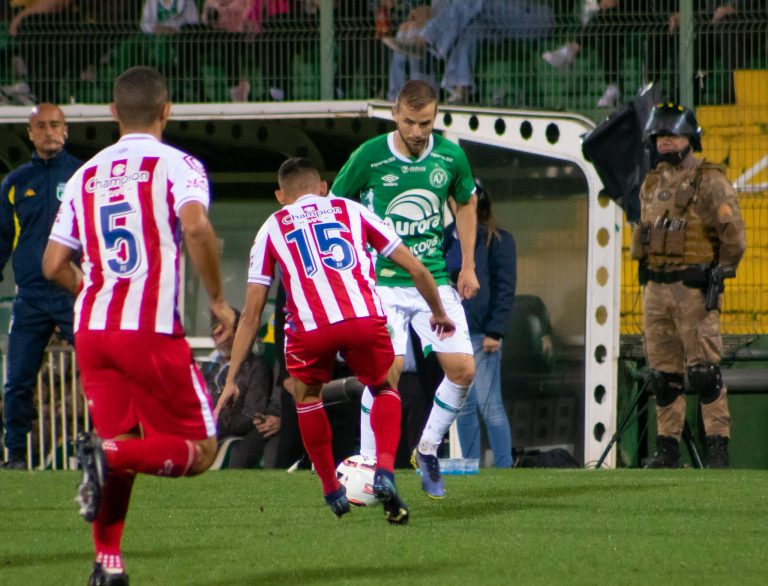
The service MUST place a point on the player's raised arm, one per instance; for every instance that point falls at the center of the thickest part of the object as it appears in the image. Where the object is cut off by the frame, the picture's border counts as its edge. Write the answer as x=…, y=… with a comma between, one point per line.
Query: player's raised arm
x=425, y=284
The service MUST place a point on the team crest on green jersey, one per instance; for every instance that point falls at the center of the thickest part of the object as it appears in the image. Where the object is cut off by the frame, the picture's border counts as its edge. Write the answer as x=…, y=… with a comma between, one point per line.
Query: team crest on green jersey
x=438, y=177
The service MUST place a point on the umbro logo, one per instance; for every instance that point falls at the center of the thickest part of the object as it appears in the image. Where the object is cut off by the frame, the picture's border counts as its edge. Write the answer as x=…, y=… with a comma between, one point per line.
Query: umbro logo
x=30, y=193
x=390, y=180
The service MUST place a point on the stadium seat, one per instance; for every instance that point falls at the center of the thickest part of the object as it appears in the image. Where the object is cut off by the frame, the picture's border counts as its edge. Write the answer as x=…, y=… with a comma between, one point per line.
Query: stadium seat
x=222, y=454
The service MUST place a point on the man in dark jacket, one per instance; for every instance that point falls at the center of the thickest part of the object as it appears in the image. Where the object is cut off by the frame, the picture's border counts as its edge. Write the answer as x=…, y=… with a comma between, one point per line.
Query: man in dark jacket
x=487, y=312
x=29, y=201
x=255, y=415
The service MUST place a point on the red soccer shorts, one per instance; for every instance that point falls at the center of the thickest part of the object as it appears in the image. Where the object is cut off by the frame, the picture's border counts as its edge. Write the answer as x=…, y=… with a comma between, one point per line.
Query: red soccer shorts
x=133, y=378
x=363, y=343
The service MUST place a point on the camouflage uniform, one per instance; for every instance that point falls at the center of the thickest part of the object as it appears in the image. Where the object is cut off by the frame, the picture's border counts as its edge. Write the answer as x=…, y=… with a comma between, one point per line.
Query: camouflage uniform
x=690, y=220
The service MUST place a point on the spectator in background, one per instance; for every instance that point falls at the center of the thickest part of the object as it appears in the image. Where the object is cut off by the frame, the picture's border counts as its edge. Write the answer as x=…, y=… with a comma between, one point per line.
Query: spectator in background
x=277, y=48
x=168, y=17
x=29, y=200
x=255, y=415
x=359, y=25
x=410, y=65
x=46, y=63
x=239, y=28
x=454, y=32
x=229, y=18
x=602, y=32
x=162, y=20
x=487, y=312
x=735, y=32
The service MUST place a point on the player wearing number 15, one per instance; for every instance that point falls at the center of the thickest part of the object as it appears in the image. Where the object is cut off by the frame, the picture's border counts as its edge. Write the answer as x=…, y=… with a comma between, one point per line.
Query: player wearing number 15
x=127, y=210
x=320, y=244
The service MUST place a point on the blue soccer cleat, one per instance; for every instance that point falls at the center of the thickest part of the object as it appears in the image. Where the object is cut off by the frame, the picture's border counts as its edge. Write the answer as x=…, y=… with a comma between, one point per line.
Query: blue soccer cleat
x=93, y=463
x=385, y=491
x=431, y=480
x=338, y=502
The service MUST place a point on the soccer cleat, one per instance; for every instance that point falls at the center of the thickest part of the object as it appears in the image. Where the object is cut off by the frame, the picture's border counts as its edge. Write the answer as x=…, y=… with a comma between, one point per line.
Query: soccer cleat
x=338, y=502
x=431, y=480
x=100, y=577
x=385, y=491
x=93, y=463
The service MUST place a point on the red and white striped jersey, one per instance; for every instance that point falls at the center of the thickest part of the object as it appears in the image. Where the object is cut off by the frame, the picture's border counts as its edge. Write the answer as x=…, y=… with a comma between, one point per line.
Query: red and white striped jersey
x=121, y=209
x=321, y=245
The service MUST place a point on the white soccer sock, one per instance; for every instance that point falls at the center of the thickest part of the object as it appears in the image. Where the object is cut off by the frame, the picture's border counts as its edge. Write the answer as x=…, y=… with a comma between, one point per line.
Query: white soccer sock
x=449, y=399
x=367, y=439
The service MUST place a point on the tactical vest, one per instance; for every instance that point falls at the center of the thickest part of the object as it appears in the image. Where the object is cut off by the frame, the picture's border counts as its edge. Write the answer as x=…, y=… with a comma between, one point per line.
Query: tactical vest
x=675, y=233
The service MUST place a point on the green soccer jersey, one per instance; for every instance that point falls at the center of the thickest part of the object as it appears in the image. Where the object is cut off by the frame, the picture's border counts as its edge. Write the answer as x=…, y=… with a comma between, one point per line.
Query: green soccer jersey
x=409, y=195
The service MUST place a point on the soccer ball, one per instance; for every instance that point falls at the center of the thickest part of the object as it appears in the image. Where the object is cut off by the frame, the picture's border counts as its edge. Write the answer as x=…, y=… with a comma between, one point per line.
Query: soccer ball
x=356, y=475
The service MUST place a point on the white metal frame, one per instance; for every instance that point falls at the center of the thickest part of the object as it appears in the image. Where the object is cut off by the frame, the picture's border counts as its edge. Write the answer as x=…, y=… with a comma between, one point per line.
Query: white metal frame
x=500, y=128
x=558, y=135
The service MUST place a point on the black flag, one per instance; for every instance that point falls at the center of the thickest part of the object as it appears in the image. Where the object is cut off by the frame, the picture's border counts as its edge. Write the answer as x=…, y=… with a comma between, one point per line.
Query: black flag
x=620, y=156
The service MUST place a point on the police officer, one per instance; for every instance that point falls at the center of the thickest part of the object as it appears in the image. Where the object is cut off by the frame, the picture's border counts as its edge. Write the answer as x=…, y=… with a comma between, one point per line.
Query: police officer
x=29, y=201
x=690, y=228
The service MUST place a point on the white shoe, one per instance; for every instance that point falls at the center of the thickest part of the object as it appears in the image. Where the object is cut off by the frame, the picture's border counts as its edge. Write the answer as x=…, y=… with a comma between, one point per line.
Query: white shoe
x=610, y=97
x=277, y=94
x=459, y=95
x=19, y=93
x=561, y=58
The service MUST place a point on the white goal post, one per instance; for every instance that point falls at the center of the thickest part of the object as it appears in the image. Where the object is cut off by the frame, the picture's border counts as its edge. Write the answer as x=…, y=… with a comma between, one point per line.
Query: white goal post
x=555, y=135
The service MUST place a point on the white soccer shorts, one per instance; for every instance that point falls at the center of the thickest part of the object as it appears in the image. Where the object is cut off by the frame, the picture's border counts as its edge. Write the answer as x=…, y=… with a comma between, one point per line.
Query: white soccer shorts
x=404, y=305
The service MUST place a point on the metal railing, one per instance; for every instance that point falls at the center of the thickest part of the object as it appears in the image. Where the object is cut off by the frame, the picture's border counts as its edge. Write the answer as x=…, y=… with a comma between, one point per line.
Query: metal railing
x=60, y=408
x=514, y=53
x=59, y=403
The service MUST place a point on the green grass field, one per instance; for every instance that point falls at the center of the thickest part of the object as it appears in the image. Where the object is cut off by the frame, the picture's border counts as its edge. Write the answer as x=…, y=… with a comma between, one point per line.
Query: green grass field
x=499, y=527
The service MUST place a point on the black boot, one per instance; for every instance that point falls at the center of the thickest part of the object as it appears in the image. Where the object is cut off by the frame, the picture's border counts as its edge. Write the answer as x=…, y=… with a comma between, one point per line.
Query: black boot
x=99, y=577
x=667, y=453
x=717, y=452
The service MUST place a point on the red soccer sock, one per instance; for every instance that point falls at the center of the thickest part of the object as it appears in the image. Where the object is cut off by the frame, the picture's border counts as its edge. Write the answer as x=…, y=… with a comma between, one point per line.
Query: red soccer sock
x=108, y=525
x=386, y=414
x=159, y=456
x=316, y=435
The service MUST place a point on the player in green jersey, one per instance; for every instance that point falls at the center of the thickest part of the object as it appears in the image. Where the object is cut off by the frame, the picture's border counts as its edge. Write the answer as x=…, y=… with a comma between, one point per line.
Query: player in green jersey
x=405, y=177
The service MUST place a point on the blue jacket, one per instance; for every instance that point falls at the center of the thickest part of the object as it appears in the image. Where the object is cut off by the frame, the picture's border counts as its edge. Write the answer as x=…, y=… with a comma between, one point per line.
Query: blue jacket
x=29, y=199
x=496, y=269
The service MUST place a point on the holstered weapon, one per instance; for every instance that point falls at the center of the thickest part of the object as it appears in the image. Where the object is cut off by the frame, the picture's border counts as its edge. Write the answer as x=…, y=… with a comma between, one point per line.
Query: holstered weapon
x=715, y=285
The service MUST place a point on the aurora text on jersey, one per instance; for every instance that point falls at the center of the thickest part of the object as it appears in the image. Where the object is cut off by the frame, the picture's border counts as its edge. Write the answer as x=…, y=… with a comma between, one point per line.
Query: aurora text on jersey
x=409, y=194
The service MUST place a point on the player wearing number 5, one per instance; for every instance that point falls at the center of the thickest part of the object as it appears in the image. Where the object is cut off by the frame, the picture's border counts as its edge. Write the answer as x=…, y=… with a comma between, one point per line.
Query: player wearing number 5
x=127, y=210
x=320, y=244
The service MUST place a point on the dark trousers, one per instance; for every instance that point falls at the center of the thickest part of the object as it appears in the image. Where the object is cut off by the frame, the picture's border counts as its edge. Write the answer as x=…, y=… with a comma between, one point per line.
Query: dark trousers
x=34, y=320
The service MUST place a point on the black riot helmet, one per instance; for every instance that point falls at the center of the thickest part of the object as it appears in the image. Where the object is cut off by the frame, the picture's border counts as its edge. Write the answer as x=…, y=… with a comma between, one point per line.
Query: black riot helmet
x=669, y=118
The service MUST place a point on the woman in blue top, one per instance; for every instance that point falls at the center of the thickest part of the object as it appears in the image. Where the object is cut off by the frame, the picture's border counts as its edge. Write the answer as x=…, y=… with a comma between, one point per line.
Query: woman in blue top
x=487, y=313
